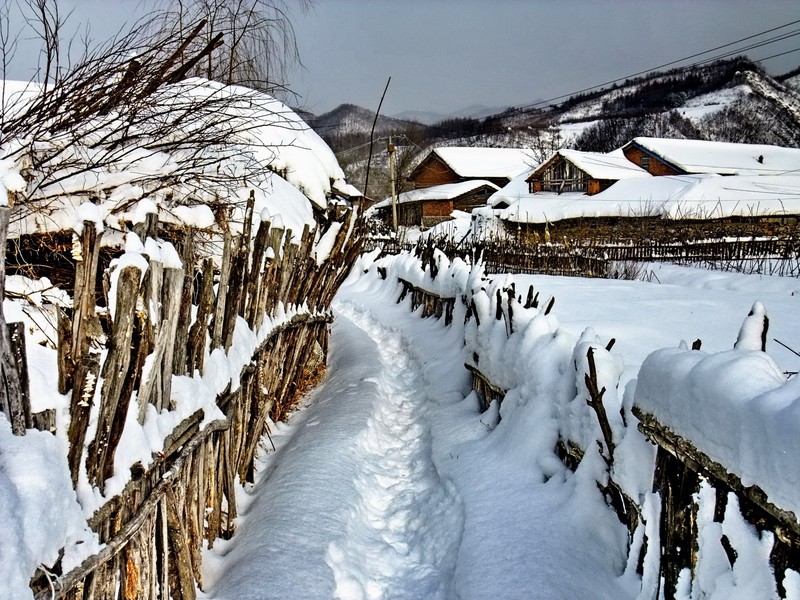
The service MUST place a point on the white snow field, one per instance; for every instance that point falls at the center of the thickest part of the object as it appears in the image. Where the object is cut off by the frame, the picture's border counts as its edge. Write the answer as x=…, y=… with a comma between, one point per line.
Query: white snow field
x=389, y=483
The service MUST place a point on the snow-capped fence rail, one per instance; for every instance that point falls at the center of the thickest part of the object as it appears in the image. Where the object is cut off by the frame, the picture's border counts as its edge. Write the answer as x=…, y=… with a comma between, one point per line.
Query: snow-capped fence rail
x=699, y=459
x=173, y=385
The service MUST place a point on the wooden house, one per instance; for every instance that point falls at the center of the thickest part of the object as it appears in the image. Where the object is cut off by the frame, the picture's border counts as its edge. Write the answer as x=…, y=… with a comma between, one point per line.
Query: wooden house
x=585, y=172
x=427, y=207
x=660, y=156
x=458, y=164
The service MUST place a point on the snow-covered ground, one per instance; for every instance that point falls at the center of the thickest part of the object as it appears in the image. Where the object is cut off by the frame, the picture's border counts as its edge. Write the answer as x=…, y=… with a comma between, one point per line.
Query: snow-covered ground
x=391, y=484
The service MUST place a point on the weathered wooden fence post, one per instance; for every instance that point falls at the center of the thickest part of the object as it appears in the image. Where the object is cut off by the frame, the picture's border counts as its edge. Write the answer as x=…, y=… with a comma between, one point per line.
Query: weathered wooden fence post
x=85, y=323
x=114, y=404
x=11, y=393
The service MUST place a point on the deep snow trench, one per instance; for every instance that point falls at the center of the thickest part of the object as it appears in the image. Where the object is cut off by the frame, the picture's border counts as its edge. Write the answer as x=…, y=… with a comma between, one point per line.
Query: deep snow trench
x=351, y=502
x=401, y=537
x=389, y=484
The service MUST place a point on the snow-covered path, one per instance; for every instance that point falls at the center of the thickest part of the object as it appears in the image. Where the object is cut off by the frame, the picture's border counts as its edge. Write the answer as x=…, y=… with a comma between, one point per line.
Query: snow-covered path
x=388, y=485
x=401, y=537
x=352, y=505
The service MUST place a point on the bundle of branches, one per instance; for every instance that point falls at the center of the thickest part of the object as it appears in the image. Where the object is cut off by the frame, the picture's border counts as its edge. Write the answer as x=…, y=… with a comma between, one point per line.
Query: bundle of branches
x=260, y=44
x=126, y=116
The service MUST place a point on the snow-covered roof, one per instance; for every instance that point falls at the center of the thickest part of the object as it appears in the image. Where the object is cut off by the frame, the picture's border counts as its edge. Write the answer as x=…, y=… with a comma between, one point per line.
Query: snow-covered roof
x=447, y=191
x=348, y=190
x=700, y=156
x=485, y=162
x=675, y=197
x=598, y=165
x=515, y=189
x=277, y=156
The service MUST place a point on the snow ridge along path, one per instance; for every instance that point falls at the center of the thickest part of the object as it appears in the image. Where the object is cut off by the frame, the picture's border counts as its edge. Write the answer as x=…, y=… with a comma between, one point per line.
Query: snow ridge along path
x=401, y=538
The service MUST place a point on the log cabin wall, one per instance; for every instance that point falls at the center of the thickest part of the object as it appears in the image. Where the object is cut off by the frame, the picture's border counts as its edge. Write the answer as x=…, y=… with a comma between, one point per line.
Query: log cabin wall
x=560, y=175
x=651, y=164
x=437, y=208
x=435, y=212
x=468, y=202
x=409, y=214
x=433, y=171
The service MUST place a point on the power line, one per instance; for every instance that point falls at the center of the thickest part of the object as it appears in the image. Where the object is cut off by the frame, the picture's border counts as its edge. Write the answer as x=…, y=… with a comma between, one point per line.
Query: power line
x=673, y=62
x=762, y=43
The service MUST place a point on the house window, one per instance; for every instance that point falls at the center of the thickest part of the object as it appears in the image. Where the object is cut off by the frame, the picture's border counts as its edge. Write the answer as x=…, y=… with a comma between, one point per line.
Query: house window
x=646, y=162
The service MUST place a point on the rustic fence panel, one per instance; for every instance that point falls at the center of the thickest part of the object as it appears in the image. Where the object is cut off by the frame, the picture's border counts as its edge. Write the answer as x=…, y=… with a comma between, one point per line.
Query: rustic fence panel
x=679, y=469
x=154, y=528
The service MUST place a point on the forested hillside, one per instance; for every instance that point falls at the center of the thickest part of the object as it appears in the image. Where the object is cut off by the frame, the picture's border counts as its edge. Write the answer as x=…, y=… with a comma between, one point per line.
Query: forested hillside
x=732, y=100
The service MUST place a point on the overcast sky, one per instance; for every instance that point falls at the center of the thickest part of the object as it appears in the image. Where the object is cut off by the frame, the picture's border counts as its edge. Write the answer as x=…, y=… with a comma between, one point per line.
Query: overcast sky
x=446, y=55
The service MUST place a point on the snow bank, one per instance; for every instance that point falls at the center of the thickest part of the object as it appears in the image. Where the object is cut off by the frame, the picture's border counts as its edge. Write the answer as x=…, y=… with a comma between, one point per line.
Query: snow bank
x=736, y=405
x=519, y=346
x=40, y=513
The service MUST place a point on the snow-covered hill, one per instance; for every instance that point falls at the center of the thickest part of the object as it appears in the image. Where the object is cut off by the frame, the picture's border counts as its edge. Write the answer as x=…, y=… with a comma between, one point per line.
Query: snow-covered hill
x=351, y=119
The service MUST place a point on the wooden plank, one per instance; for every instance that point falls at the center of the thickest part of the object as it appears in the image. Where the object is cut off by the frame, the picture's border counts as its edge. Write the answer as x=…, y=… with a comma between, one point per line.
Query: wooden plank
x=156, y=388
x=268, y=294
x=234, y=290
x=66, y=365
x=21, y=404
x=86, y=377
x=179, y=366
x=147, y=228
x=100, y=460
x=85, y=323
x=244, y=251
x=44, y=420
x=185, y=589
x=256, y=271
x=196, y=343
x=222, y=291
x=10, y=386
x=171, y=301
x=677, y=484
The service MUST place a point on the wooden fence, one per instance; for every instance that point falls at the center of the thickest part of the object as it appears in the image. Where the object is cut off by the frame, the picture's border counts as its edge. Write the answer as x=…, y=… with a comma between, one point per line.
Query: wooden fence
x=678, y=471
x=765, y=255
x=171, y=316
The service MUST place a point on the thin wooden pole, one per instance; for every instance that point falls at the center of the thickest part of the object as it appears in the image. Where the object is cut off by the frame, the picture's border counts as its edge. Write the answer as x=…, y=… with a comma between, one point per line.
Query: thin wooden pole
x=372, y=138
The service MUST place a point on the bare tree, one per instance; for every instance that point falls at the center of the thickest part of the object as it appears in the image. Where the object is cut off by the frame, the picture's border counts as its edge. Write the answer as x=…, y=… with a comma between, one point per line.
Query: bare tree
x=260, y=46
x=129, y=107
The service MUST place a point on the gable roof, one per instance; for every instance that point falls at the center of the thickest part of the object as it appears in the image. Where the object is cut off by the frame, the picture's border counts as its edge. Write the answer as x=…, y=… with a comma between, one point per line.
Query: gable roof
x=724, y=158
x=446, y=191
x=597, y=165
x=485, y=163
x=700, y=196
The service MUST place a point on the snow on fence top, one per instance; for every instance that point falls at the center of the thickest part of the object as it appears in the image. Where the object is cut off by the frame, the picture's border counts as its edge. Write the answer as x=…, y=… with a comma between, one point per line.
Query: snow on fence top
x=196, y=143
x=735, y=406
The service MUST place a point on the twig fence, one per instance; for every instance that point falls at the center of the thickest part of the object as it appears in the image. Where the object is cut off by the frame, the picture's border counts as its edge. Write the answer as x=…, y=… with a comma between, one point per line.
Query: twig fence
x=165, y=321
x=765, y=255
x=679, y=467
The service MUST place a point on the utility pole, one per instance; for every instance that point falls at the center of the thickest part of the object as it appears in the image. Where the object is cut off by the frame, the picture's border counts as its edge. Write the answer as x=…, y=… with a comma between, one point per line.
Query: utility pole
x=394, y=193
x=372, y=138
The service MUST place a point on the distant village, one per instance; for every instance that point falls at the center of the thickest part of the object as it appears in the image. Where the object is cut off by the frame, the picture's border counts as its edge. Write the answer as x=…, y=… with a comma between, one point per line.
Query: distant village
x=668, y=179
